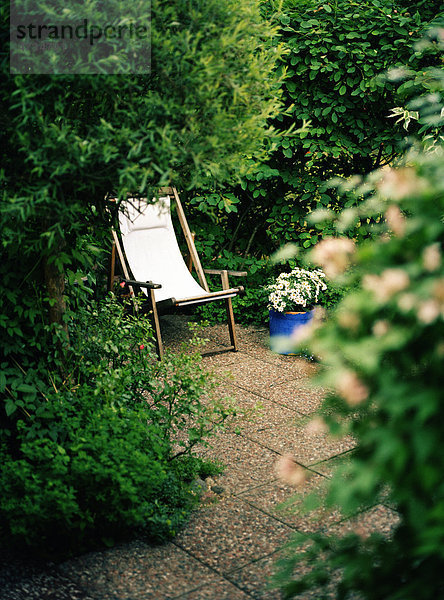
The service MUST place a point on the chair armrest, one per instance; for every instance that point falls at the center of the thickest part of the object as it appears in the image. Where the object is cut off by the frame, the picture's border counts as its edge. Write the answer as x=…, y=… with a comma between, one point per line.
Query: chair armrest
x=146, y=284
x=231, y=273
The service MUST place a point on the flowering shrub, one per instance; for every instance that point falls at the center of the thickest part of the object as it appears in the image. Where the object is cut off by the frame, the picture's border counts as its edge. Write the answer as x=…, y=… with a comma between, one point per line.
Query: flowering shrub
x=384, y=341
x=296, y=290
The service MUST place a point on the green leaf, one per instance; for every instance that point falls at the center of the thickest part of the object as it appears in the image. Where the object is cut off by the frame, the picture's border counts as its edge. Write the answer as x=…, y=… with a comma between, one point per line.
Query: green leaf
x=24, y=387
x=10, y=407
x=2, y=382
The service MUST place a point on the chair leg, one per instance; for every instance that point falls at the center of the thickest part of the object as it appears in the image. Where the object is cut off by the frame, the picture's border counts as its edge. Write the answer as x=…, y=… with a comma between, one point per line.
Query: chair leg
x=230, y=313
x=156, y=324
x=112, y=268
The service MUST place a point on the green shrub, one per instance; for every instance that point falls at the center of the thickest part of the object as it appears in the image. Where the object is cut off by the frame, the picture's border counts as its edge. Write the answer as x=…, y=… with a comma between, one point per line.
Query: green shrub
x=102, y=479
x=336, y=54
x=336, y=121
x=108, y=451
x=73, y=139
x=249, y=309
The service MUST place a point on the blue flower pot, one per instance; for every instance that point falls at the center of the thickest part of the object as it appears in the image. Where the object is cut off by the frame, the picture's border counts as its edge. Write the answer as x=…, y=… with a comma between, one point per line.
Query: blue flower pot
x=283, y=326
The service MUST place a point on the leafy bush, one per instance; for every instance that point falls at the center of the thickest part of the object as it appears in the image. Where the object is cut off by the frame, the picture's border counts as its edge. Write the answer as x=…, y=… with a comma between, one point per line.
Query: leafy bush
x=249, y=309
x=382, y=354
x=335, y=55
x=106, y=476
x=106, y=452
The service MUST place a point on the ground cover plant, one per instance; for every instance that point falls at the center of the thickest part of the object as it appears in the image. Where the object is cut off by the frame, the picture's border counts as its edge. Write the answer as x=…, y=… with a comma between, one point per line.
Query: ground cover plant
x=107, y=453
x=381, y=355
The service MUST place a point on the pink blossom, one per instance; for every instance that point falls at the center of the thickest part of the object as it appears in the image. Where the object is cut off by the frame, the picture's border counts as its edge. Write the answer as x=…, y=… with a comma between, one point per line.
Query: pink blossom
x=371, y=282
x=390, y=282
x=395, y=220
x=361, y=531
x=407, y=302
x=333, y=254
x=380, y=328
x=122, y=284
x=303, y=333
x=316, y=426
x=142, y=346
x=288, y=470
x=348, y=319
x=429, y=311
x=400, y=183
x=431, y=257
x=351, y=388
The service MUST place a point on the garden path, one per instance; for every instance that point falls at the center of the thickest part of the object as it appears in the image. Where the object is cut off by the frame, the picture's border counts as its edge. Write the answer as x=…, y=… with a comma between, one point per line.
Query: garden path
x=232, y=542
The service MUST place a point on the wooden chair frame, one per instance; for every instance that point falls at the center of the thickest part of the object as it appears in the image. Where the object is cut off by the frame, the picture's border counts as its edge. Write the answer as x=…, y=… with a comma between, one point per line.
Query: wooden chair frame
x=226, y=293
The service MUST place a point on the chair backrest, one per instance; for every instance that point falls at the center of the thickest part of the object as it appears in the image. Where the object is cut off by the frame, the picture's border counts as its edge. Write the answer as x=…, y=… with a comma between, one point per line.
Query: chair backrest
x=152, y=251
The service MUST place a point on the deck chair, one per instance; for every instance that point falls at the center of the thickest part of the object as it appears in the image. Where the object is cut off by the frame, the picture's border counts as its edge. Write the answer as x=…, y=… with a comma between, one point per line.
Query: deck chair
x=152, y=262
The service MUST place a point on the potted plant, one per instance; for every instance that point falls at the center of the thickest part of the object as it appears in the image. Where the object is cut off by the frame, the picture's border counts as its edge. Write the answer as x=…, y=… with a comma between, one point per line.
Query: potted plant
x=291, y=301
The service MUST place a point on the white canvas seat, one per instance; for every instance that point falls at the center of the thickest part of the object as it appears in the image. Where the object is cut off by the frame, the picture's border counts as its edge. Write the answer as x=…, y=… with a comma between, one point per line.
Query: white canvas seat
x=151, y=253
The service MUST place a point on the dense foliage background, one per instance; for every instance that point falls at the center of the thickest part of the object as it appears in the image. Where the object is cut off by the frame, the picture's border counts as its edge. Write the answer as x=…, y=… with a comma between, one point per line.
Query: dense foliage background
x=336, y=58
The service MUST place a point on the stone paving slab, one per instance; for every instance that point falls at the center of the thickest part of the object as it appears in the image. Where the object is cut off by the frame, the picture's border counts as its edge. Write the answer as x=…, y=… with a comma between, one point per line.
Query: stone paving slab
x=243, y=454
x=251, y=374
x=379, y=518
x=138, y=570
x=256, y=341
x=287, y=504
x=255, y=412
x=237, y=480
x=327, y=467
x=220, y=589
x=297, y=395
x=306, y=446
x=176, y=334
x=231, y=534
x=254, y=578
x=44, y=586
